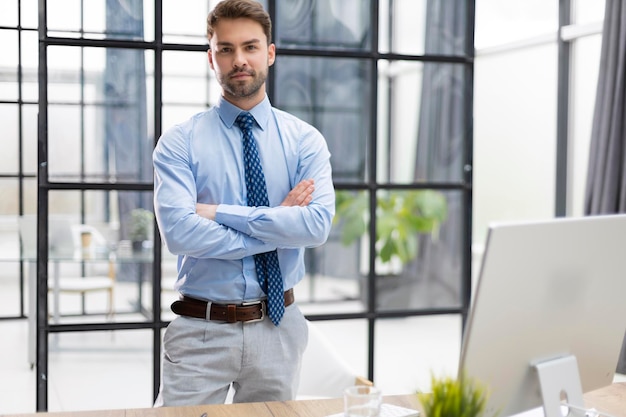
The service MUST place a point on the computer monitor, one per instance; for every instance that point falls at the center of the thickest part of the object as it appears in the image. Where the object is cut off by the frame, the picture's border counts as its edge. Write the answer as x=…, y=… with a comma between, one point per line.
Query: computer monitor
x=546, y=289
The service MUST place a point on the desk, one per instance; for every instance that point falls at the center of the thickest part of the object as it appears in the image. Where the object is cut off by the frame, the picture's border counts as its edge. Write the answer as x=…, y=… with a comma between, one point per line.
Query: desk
x=611, y=399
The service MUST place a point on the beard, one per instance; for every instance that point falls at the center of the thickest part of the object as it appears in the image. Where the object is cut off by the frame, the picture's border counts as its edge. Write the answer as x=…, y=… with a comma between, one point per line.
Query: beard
x=245, y=88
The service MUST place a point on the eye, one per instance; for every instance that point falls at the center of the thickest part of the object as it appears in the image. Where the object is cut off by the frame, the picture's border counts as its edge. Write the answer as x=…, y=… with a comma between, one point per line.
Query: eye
x=251, y=47
x=224, y=50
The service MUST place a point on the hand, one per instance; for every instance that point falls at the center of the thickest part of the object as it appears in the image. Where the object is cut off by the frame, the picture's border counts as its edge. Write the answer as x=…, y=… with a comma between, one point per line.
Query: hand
x=206, y=210
x=301, y=195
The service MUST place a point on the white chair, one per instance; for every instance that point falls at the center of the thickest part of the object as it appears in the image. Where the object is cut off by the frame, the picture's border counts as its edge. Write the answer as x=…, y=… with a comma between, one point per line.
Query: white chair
x=324, y=373
x=94, y=250
x=73, y=250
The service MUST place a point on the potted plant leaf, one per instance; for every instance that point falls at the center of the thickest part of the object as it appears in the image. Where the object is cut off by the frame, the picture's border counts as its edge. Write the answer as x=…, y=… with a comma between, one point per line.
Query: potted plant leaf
x=402, y=217
x=454, y=397
x=141, y=227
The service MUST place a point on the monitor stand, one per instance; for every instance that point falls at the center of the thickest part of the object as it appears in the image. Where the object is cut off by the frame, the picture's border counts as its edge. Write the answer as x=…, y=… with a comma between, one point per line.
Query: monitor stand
x=560, y=381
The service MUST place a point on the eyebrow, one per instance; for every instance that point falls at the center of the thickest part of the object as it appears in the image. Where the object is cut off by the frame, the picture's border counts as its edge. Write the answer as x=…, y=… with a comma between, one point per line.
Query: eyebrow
x=249, y=42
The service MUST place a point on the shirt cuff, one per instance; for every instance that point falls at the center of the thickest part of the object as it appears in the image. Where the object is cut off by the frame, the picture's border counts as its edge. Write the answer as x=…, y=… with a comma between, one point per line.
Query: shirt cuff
x=235, y=217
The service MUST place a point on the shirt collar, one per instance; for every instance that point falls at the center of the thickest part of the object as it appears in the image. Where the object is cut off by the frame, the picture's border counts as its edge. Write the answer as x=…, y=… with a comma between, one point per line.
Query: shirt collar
x=228, y=112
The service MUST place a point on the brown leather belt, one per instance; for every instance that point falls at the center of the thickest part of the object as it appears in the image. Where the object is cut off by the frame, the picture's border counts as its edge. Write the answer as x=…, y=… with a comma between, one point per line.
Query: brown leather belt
x=231, y=313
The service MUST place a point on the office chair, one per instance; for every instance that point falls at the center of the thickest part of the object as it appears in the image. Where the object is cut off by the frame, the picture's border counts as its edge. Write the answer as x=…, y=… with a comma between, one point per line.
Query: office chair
x=324, y=373
x=92, y=247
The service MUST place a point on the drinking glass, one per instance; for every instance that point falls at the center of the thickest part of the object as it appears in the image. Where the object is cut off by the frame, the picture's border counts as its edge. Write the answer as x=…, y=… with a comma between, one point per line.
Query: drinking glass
x=362, y=401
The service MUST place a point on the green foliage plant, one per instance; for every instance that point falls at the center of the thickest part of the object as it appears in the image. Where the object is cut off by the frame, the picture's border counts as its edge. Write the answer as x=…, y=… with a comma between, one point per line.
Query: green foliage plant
x=141, y=224
x=401, y=215
x=451, y=397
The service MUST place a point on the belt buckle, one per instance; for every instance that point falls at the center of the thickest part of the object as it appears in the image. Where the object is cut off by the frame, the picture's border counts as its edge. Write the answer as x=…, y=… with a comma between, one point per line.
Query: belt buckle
x=263, y=311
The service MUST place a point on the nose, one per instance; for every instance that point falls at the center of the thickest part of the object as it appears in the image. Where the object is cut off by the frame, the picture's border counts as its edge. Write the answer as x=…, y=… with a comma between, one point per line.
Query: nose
x=239, y=60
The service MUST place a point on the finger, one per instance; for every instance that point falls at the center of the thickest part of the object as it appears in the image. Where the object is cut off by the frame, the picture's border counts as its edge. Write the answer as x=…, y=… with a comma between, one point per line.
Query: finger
x=306, y=201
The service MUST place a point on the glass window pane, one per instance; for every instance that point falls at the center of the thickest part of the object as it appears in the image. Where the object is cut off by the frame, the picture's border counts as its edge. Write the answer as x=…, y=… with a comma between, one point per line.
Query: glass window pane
x=29, y=139
x=423, y=27
x=9, y=229
x=64, y=154
x=84, y=365
x=187, y=78
x=588, y=11
x=9, y=193
x=64, y=16
x=100, y=19
x=30, y=65
x=108, y=135
x=30, y=195
x=30, y=13
x=95, y=17
x=332, y=95
x=408, y=350
x=9, y=157
x=107, y=219
x=420, y=232
x=169, y=274
x=499, y=22
x=64, y=73
x=8, y=70
x=332, y=278
x=8, y=17
x=418, y=246
x=173, y=114
x=10, y=280
x=186, y=25
x=422, y=119
x=329, y=24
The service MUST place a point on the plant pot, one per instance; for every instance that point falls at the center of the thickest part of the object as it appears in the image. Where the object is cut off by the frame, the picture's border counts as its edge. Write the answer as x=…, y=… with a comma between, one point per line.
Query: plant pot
x=137, y=245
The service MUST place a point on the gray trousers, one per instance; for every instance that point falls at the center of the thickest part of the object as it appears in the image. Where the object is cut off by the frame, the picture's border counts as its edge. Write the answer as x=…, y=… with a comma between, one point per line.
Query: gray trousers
x=202, y=358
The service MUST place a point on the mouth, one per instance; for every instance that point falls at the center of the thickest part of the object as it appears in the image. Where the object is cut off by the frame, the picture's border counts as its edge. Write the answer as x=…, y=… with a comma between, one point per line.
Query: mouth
x=240, y=75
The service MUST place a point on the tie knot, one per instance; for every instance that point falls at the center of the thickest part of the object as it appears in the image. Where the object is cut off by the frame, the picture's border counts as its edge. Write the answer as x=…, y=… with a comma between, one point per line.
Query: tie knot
x=244, y=121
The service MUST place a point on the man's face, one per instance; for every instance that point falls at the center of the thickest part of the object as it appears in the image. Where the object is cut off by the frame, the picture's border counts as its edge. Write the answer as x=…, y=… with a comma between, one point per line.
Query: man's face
x=240, y=57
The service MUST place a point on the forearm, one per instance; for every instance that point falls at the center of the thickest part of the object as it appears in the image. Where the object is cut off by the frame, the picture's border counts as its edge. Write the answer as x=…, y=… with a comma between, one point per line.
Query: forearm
x=291, y=225
x=301, y=195
x=285, y=226
x=206, y=210
x=183, y=230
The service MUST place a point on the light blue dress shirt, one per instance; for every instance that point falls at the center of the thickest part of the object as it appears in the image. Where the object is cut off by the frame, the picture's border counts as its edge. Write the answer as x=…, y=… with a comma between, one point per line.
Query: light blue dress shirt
x=201, y=160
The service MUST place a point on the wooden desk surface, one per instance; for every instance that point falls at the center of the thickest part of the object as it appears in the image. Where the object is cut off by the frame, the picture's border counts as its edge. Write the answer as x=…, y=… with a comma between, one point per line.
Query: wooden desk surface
x=301, y=408
x=610, y=400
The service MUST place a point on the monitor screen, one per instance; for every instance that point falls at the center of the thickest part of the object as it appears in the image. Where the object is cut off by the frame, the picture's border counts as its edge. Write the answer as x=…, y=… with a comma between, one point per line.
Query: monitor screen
x=546, y=289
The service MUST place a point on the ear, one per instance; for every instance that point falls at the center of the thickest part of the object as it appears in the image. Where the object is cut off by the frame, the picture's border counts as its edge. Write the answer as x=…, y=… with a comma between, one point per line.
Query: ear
x=271, y=54
x=210, y=55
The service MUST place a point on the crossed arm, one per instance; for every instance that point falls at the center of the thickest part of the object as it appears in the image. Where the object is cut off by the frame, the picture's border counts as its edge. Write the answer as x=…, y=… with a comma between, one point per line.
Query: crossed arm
x=301, y=195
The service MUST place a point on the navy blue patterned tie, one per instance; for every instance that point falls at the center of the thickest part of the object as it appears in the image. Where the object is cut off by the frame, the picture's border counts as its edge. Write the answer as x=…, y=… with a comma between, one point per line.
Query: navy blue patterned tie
x=267, y=268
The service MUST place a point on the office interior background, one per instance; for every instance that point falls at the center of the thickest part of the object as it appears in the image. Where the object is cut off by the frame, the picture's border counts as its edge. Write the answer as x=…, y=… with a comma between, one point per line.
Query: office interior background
x=449, y=107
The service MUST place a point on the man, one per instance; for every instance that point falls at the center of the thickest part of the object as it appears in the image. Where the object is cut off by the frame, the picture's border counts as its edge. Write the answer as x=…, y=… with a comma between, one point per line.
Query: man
x=231, y=253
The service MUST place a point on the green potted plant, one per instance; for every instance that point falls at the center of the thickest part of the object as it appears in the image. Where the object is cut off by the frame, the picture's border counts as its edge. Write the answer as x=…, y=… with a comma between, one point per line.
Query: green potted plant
x=401, y=217
x=141, y=226
x=450, y=397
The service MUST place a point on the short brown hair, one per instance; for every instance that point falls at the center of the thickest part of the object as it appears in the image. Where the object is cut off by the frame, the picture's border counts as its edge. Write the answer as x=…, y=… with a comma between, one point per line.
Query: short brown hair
x=234, y=9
